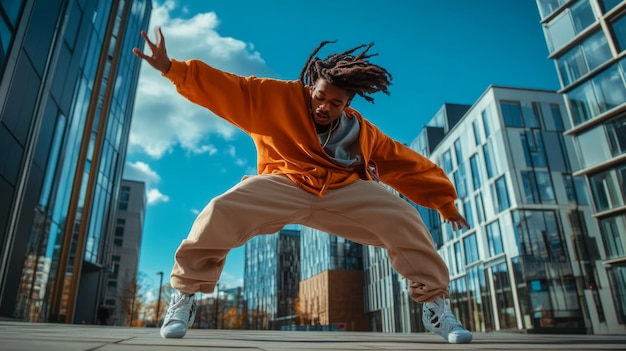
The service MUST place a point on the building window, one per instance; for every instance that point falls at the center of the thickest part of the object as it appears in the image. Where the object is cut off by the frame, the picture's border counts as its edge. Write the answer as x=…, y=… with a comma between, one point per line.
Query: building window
x=563, y=28
x=512, y=114
x=494, y=239
x=583, y=58
x=608, y=5
x=616, y=132
x=531, y=192
x=467, y=210
x=458, y=255
x=489, y=161
x=538, y=236
x=556, y=117
x=617, y=275
x=480, y=209
x=504, y=296
x=607, y=191
x=602, y=93
x=476, y=129
x=593, y=146
x=533, y=115
x=458, y=151
x=619, y=30
x=613, y=231
x=500, y=194
x=447, y=162
x=486, y=126
x=476, y=180
x=546, y=7
x=570, y=189
x=471, y=249
x=459, y=181
x=583, y=103
x=532, y=144
x=124, y=198
x=546, y=190
x=609, y=88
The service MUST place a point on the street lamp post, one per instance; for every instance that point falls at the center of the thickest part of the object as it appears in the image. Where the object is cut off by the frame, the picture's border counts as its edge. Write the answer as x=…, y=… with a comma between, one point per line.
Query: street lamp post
x=217, y=304
x=158, y=309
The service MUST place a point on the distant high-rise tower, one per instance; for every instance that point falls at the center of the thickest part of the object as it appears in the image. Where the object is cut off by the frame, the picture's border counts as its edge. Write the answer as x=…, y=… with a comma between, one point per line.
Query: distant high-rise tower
x=587, y=41
x=67, y=87
x=331, y=287
x=121, y=280
x=271, y=276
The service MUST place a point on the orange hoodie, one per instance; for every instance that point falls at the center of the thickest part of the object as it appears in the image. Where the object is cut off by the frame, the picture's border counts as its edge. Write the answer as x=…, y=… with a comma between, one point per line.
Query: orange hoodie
x=277, y=115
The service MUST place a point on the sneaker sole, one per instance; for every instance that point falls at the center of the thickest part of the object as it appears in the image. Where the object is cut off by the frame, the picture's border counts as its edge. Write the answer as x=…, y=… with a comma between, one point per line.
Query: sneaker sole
x=459, y=339
x=173, y=335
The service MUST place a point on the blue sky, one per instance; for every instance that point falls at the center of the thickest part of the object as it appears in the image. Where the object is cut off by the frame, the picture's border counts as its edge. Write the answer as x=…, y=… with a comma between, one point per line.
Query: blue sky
x=444, y=51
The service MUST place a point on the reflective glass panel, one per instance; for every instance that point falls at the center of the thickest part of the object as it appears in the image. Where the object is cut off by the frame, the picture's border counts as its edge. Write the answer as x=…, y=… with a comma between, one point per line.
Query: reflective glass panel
x=609, y=88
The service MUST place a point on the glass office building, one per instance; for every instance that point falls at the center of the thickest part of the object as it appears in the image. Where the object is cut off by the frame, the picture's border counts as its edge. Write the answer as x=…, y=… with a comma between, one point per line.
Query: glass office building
x=522, y=265
x=271, y=277
x=587, y=42
x=67, y=86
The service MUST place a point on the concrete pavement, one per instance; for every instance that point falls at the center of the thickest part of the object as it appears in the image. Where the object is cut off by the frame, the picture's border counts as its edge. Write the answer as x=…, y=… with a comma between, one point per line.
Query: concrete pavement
x=21, y=336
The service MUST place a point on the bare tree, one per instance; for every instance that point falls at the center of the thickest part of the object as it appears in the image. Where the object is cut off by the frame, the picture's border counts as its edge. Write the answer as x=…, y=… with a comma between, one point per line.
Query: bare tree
x=132, y=299
x=303, y=315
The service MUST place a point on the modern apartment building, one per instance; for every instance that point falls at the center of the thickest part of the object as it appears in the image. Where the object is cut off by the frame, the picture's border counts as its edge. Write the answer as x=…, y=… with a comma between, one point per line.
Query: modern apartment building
x=587, y=41
x=527, y=262
x=67, y=86
x=121, y=276
x=331, y=286
x=271, y=276
x=387, y=299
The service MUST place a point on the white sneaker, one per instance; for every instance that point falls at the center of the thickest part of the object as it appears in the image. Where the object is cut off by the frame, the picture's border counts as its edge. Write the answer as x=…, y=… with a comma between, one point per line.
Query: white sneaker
x=438, y=318
x=179, y=316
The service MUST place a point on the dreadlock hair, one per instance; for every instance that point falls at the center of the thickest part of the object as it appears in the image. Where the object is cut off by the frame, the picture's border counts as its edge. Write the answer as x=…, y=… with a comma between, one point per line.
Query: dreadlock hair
x=351, y=72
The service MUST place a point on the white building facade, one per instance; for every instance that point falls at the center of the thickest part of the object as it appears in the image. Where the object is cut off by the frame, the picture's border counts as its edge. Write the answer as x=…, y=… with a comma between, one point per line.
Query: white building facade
x=524, y=263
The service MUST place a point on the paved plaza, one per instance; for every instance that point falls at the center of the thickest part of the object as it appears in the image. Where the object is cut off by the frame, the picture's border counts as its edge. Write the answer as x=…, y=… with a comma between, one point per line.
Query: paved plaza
x=21, y=336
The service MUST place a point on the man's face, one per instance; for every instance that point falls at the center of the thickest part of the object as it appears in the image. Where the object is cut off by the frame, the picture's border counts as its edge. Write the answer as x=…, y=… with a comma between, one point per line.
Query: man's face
x=328, y=102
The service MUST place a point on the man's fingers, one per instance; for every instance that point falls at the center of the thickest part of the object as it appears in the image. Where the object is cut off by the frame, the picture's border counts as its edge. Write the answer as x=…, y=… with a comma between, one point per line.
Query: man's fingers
x=140, y=54
x=148, y=41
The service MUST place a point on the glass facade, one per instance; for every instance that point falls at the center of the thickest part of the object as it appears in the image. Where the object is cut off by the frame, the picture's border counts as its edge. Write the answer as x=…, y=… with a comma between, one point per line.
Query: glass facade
x=67, y=117
x=512, y=270
x=588, y=50
x=325, y=252
x=271, y=278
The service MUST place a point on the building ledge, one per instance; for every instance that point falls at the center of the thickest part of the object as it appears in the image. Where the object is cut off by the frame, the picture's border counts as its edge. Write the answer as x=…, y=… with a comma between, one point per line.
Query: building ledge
x=610, y=212
x=615, y=261
x=602, y=166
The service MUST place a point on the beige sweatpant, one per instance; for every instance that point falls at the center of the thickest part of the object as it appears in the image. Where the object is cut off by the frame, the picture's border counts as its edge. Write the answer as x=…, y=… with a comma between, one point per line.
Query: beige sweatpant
x=364, y=212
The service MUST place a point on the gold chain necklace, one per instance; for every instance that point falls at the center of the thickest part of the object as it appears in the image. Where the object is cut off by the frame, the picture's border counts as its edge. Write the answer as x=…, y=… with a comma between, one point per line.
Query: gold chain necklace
x=330, y=131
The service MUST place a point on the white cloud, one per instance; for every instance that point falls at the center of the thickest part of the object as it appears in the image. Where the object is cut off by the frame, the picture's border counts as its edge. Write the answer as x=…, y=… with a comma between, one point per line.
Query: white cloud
x=142, y=172
x=155, y=196
x=229, y=281
x=162, y=118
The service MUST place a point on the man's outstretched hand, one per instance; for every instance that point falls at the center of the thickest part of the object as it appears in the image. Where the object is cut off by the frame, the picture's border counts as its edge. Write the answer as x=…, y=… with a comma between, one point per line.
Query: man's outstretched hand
x=159, y=58
x=458, y=222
